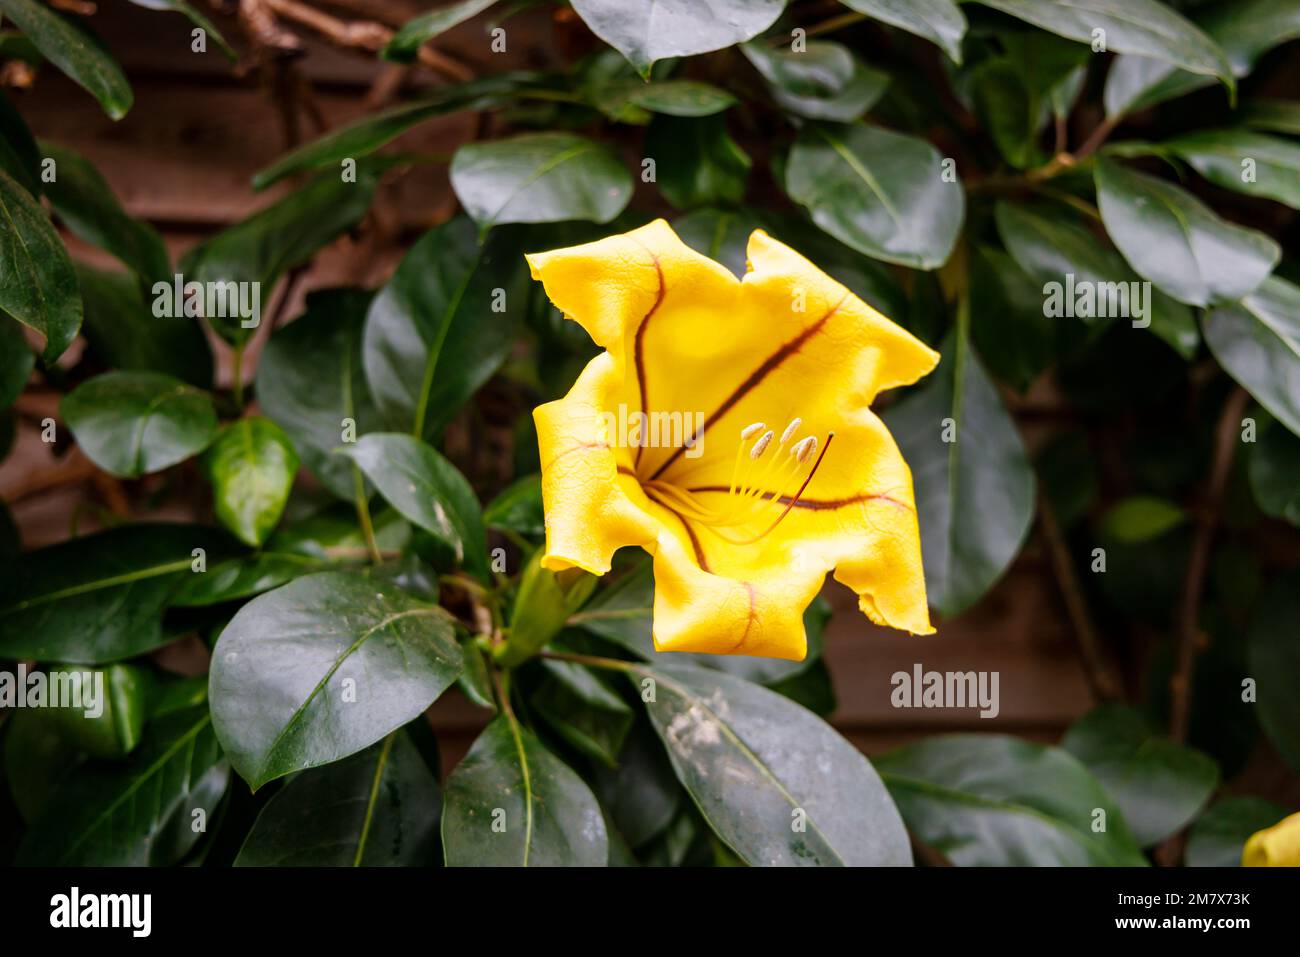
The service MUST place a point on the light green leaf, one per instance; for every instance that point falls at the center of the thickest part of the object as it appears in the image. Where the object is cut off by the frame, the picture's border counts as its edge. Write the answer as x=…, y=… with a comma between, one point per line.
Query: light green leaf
x=1219, y=836
x=135, y=423
x=938, y=20
x=1141, y=518
x=251, y=466
x=825, y=81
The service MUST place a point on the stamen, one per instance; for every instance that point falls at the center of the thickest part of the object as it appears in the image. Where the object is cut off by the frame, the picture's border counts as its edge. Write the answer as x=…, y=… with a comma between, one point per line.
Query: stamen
x=804, y=449
x=791, y=429
x=761, y=445
x=749, y=431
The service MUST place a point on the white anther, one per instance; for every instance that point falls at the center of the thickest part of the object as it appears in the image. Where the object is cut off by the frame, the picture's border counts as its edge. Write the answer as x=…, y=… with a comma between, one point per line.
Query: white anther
x=749, y=431
x=791, y=429
x=761, y=445
x=803, y=450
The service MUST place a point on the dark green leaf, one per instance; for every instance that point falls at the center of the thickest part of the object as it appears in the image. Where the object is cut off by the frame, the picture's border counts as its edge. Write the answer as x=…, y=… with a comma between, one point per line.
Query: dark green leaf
x=1009, y=110
x=364, y=136
x=322, y=668
x=583, y=711
x=427, y=489
x=642, y=795
x=127, y=334
x=671, y=28
x=1173, y=239
x=1274, y=116
x=73, y=49
x=974, y=487
x=512, y=803
x=990, y=800
x=134, y=423
x=86, y=204
x=196, y=18
x=1257, y=341
x=37, y=756
x=443, y=324
x=311, y=383
x=141, y=813
x=1144, y=27
x=697, y=163
x=406, y=43
x=37, y=284
x=882, y=193
x=1274, y=657
x=16, y=363
x=774, y=781
x=1246, y=162
x=1244, y=30
x=251, y=466
x=539, y=178
x=18, y=154
x=1220, y=834
x=285, y=234
x=681, y=98
x=1159, y=785
x=244, y=577
x=98, y=598
x=377, y=808
x=940, y=21
x=1008, y=324
x=824, y=81
x=1275, y=473
x=518, y=508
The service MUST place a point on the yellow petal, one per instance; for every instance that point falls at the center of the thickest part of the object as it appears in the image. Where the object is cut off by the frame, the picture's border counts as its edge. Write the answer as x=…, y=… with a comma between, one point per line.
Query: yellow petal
x=1276, y=846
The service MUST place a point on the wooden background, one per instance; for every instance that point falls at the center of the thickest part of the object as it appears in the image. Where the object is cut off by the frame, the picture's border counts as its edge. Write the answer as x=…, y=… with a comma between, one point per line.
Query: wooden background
x=182, y=159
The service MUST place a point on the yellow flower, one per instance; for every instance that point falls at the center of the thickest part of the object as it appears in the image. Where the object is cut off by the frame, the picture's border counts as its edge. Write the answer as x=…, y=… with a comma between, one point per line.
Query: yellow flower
x=776, y=471
x=1276, y=846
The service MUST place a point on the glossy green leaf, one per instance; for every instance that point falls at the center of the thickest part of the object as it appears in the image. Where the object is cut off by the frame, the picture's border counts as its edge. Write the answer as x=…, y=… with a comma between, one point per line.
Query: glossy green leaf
x=641, y=795
x=1008, y=110
x=681, y=98
x=251, y=466
x=1143, y=27
x=824, y=81
x=322, y=668
x=427, y=489
x=111, y=719
x=70, y=46
x=777, y=784
x=16, y=362
x=1140, y=518
x=990, y=800
x=190, y=13
x=1275, y=472
x=37, y=756
x=244, y=577
x=362, y=137
x=518, y=508
x=540, y=178
x=1219, y=835
x=882, y=193
x=99, y=598
x=1272, y=116
x=19, y=156
x=1244, y=30
x=697, y=163
x=1274, y=657
x=1257, y=341
x=377, y=808
x=123, y=330
x=1008, y=324
x=310, y=382
x=672, y=28
x=973, y=483
x=583, y=711
x=283, y=235
x=1173, y=239
x=443, y=324
x=37, y=284
x=1242, y=161
x=85, y=203
x=406, y=42
x=940, y=21
x=135, y=814
x=134, y=423
x=511, y=803
x=1158, y=785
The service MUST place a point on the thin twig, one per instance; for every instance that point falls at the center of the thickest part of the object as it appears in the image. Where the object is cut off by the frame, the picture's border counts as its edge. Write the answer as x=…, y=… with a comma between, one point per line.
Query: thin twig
x=1105, y=686
x=1190, y=639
